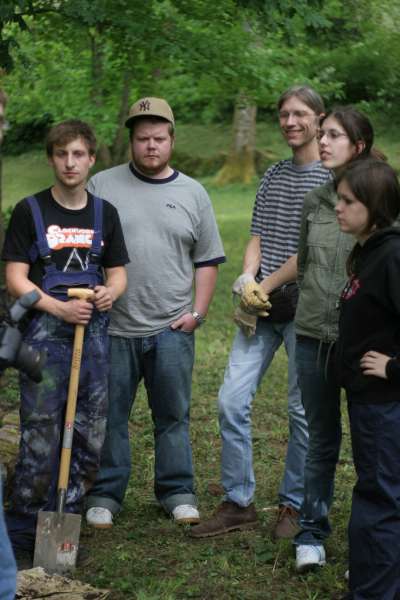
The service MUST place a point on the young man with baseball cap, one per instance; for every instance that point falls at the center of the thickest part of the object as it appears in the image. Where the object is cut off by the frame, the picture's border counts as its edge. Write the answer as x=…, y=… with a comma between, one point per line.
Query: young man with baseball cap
x=173, y=242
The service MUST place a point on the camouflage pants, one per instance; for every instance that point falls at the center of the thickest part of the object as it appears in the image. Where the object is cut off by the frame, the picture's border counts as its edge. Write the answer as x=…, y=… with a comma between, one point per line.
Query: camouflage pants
x=42, y=420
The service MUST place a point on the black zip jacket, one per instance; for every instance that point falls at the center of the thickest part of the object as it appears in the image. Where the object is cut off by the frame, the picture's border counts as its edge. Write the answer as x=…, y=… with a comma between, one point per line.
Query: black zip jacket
x=370, y=319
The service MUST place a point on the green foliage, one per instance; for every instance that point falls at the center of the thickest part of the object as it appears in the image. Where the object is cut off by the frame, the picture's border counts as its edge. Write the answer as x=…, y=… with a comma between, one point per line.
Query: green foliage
x=50, y=80
x=363, y=53
x=371, y=71
x=76, y=60
x=198, y=54
x=11, y=12
x=32, y=131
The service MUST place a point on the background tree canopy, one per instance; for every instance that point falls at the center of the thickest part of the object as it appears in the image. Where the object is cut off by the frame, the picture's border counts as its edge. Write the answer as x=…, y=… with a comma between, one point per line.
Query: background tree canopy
x=92, y=58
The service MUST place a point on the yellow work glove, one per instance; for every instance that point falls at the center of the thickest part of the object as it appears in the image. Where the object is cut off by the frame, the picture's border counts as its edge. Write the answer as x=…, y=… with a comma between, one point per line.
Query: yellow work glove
x=240, y=282
x=245, y=321
x=254, y=300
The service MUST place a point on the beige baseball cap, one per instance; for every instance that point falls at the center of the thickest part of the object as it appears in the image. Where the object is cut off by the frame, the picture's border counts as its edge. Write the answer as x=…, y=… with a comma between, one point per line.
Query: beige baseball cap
x=150, y=107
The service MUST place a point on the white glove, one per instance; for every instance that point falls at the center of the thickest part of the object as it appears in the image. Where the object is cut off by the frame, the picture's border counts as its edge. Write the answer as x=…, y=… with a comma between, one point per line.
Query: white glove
x=241, y=281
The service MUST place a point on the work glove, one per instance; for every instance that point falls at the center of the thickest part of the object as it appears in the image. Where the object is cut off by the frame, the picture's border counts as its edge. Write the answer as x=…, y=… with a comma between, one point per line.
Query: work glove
x=238, y=286
x=245, y=321
x=254, y=300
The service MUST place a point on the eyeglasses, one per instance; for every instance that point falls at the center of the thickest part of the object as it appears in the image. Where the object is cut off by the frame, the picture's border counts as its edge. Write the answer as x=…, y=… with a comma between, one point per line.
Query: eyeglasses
x=331, y=134
x=297, y=114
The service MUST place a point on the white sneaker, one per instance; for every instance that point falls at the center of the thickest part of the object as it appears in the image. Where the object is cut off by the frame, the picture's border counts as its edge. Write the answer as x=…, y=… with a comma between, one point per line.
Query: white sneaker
x=347, y=575
x=185, y=513
x=309, y=557
x=99, y=517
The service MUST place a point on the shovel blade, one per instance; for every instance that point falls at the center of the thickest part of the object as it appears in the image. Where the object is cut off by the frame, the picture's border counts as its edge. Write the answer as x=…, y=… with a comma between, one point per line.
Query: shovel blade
x=57, y=541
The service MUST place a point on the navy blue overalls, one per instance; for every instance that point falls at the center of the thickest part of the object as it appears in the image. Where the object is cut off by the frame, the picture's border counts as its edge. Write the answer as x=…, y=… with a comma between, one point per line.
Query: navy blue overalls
x=43, y=405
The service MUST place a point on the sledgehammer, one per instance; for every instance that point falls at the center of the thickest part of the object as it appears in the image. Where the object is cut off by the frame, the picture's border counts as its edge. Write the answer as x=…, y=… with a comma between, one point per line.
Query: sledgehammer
x=57, y=533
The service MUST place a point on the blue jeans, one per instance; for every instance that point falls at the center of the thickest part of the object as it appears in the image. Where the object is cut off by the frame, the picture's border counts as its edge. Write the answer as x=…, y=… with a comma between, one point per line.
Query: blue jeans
x=165, y=362
x=8, y=568
x=248, y=361
x=321, y=399
x=374, y=528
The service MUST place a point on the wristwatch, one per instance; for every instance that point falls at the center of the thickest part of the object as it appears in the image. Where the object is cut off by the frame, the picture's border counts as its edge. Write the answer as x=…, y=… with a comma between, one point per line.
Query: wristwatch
x=198, y=317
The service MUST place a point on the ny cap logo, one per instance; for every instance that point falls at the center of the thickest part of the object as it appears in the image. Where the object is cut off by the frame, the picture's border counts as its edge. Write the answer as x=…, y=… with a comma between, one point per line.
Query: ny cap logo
x=144, y=105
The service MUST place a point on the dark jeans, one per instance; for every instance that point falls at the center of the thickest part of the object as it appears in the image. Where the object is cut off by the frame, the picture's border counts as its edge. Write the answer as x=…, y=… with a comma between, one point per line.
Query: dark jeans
x=321, y=400
x=374, y=528
x=165, y=362
x=8, y=568
x=42, y=414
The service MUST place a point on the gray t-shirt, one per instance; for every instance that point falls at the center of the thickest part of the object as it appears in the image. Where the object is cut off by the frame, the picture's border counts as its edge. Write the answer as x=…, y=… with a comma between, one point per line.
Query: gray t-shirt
x=169, y=227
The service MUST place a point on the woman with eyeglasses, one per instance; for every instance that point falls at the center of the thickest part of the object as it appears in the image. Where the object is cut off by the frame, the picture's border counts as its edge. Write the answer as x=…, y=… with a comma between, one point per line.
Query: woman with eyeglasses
x=345, y=135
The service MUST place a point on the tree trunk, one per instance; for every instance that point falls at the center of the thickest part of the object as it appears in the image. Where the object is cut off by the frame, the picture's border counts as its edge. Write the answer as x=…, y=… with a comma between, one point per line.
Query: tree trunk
x=119, y=147
x=103, y=152
x=239, y=166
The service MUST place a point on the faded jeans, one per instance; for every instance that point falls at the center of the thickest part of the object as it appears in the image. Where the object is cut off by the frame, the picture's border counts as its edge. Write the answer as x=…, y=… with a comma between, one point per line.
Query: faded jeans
x=165, y=362
x=248, y=361
x=321, y=399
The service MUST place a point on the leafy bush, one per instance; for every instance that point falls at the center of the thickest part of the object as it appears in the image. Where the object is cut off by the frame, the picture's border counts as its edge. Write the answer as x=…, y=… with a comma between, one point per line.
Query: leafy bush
x=27, y=135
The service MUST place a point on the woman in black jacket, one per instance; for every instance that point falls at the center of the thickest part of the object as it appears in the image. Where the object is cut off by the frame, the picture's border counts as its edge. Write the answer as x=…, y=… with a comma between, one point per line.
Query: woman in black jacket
x=369, y=370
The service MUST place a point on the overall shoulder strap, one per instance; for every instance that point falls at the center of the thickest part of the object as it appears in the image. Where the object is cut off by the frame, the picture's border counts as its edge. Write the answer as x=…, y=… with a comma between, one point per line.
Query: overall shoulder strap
x=41, y=243
x=98, y=226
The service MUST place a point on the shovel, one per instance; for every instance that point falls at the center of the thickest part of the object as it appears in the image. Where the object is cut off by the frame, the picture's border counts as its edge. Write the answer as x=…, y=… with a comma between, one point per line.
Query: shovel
x=57, y=533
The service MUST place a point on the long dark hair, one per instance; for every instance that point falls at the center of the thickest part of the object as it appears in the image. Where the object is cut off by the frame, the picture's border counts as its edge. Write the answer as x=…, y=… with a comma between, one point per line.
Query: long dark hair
x=375, y=184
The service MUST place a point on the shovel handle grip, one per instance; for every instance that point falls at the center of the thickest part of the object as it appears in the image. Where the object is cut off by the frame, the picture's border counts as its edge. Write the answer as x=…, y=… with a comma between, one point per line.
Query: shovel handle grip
x=81, y=293
x=65, y=461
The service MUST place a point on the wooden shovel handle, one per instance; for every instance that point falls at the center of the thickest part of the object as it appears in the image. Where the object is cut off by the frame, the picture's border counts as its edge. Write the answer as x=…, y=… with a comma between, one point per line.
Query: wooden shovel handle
x=65, y=460
x=81, y=293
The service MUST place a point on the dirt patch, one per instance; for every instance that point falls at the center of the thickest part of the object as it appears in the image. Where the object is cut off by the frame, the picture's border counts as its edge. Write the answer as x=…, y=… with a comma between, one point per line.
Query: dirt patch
x=37, y=584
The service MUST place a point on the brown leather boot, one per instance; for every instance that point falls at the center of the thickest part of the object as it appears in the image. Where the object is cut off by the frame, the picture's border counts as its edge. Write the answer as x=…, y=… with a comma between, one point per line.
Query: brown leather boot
x=227, y=517
x=287, y=523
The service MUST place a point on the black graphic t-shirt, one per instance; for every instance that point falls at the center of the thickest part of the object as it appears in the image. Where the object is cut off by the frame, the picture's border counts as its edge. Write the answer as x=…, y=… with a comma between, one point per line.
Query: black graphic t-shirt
x=69, y=235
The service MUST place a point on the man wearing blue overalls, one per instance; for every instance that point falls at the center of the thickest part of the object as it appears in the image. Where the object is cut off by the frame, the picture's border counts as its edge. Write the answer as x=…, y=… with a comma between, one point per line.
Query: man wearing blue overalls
x=60, y=238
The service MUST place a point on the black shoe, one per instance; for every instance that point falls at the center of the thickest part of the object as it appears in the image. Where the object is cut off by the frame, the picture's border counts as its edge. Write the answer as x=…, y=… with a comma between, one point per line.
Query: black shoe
x=23, y=558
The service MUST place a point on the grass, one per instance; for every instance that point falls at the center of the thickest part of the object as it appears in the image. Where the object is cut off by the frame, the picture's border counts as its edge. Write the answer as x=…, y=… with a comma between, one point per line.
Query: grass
x=145, y=556
x=24, y=175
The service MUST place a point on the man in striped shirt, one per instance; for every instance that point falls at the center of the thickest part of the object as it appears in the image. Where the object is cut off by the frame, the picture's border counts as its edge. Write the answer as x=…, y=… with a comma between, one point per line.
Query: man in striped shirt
x=274, y=238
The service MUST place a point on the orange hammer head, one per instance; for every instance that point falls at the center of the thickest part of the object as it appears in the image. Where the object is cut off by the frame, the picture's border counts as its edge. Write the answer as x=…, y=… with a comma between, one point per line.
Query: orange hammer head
x=81, y=293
